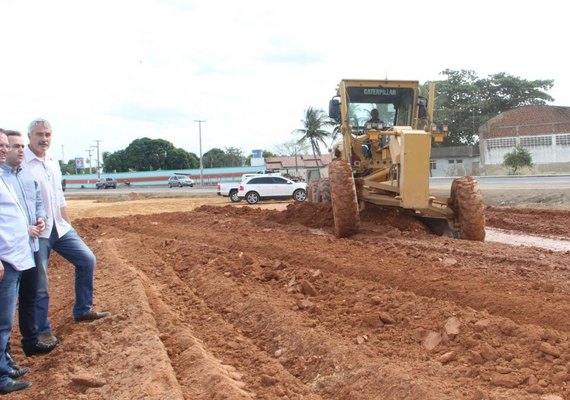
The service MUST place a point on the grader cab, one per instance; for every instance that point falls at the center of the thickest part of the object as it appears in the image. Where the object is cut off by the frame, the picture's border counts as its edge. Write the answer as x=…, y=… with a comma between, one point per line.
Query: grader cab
x=387, y=132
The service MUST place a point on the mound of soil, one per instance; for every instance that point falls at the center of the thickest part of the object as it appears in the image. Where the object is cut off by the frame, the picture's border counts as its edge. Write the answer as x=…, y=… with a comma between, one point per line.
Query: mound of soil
x=536, y=221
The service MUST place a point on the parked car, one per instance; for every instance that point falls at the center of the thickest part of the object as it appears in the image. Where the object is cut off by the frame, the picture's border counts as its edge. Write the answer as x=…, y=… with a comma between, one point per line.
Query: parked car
x=180, y=181
x=230, y=189
x=258, y=188
x=106, y=183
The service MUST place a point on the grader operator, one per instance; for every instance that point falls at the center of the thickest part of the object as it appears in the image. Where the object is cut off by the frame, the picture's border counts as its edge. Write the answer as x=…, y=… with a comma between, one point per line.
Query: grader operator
x=384, y=158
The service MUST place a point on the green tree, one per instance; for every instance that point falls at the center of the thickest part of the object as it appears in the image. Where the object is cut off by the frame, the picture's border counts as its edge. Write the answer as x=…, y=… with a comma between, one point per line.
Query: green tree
x=518, y=158
x=233, y=157
x=314, y=131
x=147, y=154
x=116, y=161
x=69, y=168
x=181, y=159
x=466, y=101
x=214, y=158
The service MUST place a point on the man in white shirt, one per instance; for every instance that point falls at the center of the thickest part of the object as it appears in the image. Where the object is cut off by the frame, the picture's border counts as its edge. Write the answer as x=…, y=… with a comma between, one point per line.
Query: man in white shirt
x=15, y=257
x=58, y=235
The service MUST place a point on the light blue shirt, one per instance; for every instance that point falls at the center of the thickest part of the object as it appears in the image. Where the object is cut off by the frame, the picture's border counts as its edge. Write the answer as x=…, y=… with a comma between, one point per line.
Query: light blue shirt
x=14, y=232
x=29, y=196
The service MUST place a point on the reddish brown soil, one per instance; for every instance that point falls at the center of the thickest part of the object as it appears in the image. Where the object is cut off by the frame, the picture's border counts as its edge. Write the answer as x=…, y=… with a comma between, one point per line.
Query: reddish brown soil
x=536, y=221
x=245, y=303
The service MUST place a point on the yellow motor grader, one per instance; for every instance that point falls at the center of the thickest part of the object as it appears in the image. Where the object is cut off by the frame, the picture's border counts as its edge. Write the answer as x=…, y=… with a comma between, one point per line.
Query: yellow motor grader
x=384, y=158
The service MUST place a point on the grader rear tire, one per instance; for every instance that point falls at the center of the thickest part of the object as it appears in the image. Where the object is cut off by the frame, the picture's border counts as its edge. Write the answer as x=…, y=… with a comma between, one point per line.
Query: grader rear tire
x=312, y=191
x=343, y=196
x=324, y=191
x=466, y=202
x=319, y=191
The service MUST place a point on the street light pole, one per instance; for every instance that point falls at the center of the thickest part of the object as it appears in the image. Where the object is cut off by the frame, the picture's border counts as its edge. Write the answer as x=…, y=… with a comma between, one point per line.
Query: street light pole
x=98, y=162
x=199, y=121
x=89, y=152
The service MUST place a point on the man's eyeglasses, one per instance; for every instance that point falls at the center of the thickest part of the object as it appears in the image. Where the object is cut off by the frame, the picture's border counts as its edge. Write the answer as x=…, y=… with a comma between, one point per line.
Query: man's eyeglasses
x=5, y=146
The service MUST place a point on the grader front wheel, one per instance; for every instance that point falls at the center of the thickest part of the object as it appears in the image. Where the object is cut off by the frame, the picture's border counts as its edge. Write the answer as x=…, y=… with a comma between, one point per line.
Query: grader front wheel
x=343, y=198
x=466, y=202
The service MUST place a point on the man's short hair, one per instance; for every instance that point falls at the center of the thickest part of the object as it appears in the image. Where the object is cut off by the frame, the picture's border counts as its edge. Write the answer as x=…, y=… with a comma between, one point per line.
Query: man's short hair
x=38, y=121
x=11, y=133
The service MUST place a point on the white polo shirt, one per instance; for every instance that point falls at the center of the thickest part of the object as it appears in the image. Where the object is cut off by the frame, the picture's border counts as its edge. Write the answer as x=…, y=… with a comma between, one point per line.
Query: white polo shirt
x=47, y=174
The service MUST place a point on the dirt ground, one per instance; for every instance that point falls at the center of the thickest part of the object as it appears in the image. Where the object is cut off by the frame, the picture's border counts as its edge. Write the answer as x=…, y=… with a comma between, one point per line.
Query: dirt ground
x=213, y=300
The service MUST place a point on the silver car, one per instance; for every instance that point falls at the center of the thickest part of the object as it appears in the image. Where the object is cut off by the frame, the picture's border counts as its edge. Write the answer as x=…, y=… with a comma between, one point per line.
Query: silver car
x=180, y=181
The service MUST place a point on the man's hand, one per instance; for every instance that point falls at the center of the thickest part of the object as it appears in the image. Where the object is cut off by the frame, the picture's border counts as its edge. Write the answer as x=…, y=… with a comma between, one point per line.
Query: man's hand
x=1, y=271
x=34, y=231
x=41, y=224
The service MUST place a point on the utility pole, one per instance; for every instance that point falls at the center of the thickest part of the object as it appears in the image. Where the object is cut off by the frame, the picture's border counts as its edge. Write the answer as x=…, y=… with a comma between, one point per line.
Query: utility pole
x=98, y=161
x=89, y=159
x=199, y=121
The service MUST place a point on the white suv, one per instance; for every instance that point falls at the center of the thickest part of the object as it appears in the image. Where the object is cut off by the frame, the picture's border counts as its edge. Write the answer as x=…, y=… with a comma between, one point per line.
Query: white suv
x=180, y=181
x=256, y=188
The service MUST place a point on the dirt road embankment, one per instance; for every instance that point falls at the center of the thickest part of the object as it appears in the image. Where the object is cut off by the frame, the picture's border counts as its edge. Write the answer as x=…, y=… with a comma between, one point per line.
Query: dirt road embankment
x=239, y=302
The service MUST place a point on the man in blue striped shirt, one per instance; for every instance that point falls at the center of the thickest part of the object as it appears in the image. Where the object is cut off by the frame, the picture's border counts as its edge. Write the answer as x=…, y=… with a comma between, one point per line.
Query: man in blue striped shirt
x=30, y=200
x=15, y=257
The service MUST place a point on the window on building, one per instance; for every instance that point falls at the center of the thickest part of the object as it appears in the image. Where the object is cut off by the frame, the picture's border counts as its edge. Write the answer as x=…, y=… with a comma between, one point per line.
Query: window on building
x=501, y=142
x=432, y=164
x=451, y=161
x=458, y=161
x=536, y=141
x=562, y=139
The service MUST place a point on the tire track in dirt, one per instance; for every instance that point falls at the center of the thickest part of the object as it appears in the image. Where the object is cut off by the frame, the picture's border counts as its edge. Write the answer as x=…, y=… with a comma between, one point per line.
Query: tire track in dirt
x=227, y=302
x=317, y=358
x=207, y=352
x=108, y=358
x=201, y=375
x=485, y=353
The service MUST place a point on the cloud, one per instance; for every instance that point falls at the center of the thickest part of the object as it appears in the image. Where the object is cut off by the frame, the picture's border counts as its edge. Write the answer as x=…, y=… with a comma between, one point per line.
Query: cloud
x=140, y=113
x=116, y=71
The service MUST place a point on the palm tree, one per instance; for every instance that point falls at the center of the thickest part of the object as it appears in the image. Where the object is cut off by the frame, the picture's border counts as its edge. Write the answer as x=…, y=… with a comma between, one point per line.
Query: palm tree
x=313, y=132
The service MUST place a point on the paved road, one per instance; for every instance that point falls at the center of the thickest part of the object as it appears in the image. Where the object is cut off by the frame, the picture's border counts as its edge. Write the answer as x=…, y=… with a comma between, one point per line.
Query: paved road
x=543, y=182
x=157, y=190
x=559, y=181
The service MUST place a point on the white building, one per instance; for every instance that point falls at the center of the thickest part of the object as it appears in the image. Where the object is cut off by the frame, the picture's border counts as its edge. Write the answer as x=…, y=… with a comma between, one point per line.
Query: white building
x=543, y=130
x=454, y=161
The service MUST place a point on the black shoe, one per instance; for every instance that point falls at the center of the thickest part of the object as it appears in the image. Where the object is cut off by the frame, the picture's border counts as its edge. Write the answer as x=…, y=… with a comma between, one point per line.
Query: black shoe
x=14, y=386
x=39, y=348
x=92, y=316
x=47, y=338
x=11, y=363
x=16, y=373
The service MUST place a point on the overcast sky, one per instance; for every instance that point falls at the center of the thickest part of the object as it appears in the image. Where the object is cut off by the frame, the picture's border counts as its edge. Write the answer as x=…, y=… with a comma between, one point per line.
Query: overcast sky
x=118, y=70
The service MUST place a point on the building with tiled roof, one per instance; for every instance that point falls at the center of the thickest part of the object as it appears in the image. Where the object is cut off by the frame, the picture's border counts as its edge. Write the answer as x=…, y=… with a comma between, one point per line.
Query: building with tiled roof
x=299, y=166
x=543, y=130
x=454, y=161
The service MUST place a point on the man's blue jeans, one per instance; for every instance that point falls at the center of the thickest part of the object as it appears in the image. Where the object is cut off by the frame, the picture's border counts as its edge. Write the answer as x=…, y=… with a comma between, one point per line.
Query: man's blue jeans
x=73, y=249
x=8, y=295
x=27, y=295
